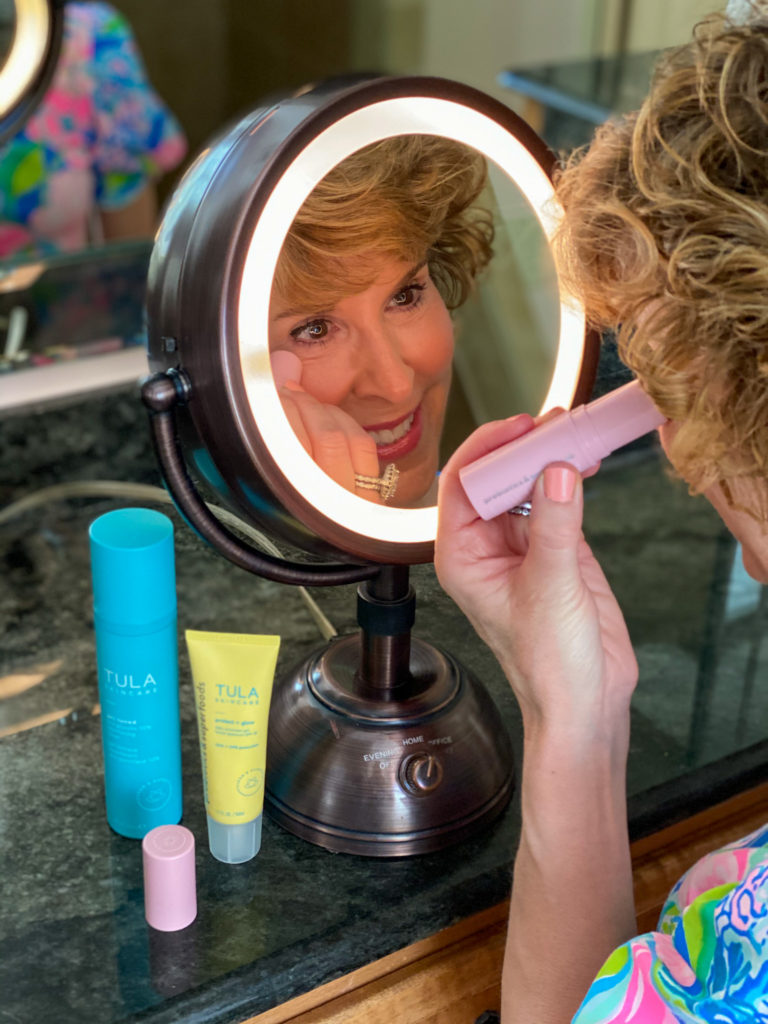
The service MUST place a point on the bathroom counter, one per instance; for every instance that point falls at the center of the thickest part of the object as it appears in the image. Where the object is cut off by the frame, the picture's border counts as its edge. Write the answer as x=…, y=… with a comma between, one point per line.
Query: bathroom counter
x=74, y=945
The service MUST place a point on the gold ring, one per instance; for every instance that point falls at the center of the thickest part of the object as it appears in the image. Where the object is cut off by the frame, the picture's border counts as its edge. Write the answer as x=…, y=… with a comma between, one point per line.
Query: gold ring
x=386, y=484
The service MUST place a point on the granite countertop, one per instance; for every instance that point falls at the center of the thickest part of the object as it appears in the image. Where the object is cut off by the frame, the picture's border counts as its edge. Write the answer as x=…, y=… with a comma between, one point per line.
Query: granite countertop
x=74, y=944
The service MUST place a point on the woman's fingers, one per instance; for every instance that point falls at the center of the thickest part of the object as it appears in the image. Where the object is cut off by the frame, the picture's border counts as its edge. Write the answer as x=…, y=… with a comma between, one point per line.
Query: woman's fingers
x=455, y=506
x=336, y=442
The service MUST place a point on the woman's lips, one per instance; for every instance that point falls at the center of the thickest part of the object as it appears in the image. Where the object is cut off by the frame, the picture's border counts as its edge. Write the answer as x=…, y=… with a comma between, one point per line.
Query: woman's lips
x=396, y=439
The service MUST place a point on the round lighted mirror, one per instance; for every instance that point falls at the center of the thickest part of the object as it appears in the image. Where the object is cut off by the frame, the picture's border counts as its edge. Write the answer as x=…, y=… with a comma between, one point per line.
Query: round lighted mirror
x=303, y=232
x=415, y=296
x=519, y=185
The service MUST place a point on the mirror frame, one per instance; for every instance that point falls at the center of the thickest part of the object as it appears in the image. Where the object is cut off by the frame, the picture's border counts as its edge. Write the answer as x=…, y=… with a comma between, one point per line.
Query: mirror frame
x=195, y=313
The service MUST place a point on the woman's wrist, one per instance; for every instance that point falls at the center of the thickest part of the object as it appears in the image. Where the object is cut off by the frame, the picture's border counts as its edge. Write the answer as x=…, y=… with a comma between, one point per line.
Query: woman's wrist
x=587, y=749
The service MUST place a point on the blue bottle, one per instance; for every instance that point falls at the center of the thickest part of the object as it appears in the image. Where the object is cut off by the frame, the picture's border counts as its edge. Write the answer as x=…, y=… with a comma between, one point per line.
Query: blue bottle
x=134, y=602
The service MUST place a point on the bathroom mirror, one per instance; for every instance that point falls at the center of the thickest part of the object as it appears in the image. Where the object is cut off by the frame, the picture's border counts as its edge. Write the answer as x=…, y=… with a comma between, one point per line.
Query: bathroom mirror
x=30, y=38
x=211, y=280
x=416, y=295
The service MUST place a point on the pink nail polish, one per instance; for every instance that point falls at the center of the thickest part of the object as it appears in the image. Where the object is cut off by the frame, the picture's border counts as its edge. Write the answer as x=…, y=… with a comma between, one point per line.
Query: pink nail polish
x=559, y=483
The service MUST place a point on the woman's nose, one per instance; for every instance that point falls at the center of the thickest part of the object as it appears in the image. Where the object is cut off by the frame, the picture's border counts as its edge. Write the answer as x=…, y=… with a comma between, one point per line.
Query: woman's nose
x=384, y=371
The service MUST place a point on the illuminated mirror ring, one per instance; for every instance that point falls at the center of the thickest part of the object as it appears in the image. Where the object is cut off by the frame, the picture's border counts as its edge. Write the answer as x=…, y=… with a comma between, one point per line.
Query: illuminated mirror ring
x=210, y=285
x=372, y=123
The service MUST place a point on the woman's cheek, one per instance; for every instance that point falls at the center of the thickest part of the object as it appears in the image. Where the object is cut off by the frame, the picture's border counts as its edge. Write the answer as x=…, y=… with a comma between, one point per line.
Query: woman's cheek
x=431, y=346
x=326, y=380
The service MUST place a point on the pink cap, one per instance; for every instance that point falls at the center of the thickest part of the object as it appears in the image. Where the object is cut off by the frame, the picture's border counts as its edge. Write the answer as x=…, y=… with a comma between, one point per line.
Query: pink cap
x=285, y=366
x=170, y=895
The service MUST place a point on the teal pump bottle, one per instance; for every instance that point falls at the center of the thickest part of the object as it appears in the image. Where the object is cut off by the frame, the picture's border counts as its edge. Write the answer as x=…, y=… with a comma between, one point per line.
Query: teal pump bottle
x=134, y=605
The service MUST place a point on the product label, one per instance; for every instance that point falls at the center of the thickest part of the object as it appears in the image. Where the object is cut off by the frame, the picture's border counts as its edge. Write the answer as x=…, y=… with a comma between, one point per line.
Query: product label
x=233, y=686
x=124, y=684
x=139, y=694
x=526, y=478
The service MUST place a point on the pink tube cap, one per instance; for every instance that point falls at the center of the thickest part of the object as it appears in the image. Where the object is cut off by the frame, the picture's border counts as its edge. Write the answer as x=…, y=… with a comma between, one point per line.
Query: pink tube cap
x=170, y=894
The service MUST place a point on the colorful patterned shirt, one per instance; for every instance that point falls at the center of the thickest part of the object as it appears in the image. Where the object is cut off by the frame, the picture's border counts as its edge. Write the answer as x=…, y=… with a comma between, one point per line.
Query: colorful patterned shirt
x=708, y=962
x=98, y=137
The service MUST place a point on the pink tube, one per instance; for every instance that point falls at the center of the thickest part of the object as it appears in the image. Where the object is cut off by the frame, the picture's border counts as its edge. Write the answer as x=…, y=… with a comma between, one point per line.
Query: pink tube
x=583, y=436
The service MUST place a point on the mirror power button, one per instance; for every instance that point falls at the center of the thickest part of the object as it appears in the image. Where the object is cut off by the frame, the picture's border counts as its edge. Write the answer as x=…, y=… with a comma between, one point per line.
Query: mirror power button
x=420, y=773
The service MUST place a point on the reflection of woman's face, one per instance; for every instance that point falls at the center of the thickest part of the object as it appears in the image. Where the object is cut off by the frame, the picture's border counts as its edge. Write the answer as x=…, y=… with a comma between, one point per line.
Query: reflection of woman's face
x=383, y=356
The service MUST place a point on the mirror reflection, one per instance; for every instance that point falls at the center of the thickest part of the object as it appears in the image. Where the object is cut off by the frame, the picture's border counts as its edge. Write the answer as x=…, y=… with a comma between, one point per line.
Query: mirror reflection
x=7, y=28
x=413, y=268
x=84, y=167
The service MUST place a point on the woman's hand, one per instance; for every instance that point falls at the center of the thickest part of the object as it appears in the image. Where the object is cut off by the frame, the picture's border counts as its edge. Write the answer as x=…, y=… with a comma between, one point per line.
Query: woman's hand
x=535, y=593
x=336, y=442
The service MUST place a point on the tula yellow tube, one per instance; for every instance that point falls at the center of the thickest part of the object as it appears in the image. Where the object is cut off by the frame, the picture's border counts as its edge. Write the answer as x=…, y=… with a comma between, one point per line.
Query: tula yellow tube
x=232, y=675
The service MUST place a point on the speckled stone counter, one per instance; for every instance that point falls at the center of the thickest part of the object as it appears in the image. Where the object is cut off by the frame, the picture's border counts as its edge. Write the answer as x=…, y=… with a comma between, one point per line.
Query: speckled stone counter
x=74, y=945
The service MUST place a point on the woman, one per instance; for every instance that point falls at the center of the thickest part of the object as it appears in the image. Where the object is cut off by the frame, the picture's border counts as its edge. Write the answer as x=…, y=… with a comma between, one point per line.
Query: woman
x=666, y=239
x=382, y=249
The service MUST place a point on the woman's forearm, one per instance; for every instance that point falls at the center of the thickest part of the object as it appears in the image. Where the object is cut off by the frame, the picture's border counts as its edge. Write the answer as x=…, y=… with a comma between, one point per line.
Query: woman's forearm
x=572, y=901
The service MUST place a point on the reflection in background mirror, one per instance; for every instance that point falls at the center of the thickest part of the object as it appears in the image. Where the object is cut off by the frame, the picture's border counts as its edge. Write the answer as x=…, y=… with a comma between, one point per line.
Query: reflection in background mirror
x=413, y=274
x=7, y=28
x=82, y=169
x=80, y=172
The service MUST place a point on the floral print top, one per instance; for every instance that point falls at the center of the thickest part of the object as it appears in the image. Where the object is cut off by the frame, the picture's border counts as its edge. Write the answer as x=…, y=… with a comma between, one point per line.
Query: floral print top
x=98, y=137
x=708, y=962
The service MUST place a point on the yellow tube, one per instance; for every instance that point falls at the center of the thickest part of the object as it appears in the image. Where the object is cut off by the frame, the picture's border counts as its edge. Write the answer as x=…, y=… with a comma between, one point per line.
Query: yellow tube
x=232, y=675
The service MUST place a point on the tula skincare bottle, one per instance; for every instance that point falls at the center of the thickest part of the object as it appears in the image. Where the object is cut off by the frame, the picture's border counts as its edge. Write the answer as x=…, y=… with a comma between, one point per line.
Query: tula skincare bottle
x=504, y=478
x=134, y=604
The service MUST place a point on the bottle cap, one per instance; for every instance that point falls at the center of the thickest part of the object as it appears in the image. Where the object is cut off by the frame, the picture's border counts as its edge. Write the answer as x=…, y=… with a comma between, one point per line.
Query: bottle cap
x=170, y=895
x=132, y=566
x=234, y=844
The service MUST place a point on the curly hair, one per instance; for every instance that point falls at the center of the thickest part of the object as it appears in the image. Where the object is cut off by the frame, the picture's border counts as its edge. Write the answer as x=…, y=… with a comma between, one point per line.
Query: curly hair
x=409, y=197
x=666, y=240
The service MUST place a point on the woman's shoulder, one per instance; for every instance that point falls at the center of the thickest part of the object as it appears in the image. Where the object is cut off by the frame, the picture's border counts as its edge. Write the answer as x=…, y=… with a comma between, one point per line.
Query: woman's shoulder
x=710, y=950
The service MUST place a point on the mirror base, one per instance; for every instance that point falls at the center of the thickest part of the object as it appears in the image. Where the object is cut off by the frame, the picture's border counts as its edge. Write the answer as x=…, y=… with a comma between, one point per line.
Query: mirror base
x=385, y=778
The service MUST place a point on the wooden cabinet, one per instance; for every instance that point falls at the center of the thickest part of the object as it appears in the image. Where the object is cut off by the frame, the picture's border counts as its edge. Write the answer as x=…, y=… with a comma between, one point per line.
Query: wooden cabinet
x=451, y=977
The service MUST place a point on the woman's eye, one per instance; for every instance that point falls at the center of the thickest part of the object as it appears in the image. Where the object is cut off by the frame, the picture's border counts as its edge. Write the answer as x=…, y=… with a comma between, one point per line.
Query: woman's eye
x=408, y=296
x=313, y=330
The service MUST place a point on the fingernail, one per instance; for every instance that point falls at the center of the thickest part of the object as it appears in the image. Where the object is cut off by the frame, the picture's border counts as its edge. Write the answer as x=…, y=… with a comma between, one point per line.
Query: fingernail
x=291, y=385
x=559, y=483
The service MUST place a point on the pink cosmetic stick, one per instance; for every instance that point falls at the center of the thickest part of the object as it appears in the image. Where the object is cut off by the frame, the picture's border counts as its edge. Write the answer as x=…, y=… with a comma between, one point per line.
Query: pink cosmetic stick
x=583, y=436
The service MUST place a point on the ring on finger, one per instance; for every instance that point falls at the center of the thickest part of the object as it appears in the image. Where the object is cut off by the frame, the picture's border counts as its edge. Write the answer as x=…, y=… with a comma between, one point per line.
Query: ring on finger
x=386, y=484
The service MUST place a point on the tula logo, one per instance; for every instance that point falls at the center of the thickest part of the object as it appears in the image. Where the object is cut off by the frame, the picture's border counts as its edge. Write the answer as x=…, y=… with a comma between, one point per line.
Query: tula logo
x=128, y=683
x=237, y=692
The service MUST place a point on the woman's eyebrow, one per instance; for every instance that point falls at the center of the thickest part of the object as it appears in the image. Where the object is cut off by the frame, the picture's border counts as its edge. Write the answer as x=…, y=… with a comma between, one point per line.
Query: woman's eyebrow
x=302, y=312
x=407, y=278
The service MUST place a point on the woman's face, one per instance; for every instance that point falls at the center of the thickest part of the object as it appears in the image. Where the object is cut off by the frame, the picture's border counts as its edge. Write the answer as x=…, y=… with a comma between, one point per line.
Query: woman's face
x=383, y=356
x=751, y=534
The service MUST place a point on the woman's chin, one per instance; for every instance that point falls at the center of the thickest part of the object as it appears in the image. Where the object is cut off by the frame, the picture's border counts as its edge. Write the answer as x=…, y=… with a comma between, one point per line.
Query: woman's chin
x=416, y=494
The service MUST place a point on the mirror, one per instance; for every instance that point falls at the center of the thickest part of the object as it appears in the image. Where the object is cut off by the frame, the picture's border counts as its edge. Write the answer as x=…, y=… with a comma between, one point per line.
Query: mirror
x=84, y=135
x=417, y=297
x=30, y=40
x=525, y=214
x=7, y=29
x=211, y=306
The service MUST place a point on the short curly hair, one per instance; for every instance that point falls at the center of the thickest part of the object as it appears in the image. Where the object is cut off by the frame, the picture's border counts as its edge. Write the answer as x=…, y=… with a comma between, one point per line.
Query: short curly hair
x=666, y=240
x=408, y=197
